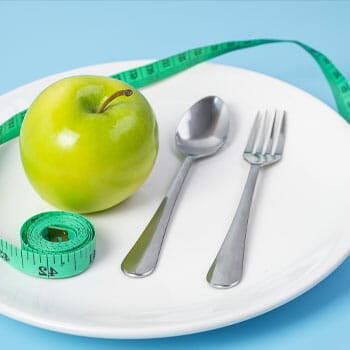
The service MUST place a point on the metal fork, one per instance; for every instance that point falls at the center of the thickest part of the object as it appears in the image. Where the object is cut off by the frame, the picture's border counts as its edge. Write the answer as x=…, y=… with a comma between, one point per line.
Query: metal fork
x=264, y=147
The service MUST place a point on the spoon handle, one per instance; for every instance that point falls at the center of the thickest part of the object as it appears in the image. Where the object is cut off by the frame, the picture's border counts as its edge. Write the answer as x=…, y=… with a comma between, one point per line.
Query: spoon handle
x=226, y=270
x=143, y=256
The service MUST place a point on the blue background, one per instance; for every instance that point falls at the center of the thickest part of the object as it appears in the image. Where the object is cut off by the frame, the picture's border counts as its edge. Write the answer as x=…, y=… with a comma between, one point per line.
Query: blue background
x=42, y=38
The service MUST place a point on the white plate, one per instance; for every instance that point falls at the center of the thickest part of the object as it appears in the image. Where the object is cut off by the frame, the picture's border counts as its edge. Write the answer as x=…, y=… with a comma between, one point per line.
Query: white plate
x=298, y=234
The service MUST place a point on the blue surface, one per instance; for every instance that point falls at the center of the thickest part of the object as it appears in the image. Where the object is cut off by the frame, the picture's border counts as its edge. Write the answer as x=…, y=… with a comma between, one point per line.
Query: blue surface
x=43, y=38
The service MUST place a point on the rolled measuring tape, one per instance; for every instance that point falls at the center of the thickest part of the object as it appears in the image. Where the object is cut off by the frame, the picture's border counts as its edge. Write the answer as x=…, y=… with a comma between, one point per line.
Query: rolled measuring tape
x=55, y=244
x=61, y=244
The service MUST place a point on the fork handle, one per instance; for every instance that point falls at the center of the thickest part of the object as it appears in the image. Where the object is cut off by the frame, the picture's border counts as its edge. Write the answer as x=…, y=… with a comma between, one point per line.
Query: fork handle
x=226, y=270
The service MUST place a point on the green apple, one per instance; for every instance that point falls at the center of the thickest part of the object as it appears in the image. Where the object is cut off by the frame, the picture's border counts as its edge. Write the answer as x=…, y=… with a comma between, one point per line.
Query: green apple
x=88, y=142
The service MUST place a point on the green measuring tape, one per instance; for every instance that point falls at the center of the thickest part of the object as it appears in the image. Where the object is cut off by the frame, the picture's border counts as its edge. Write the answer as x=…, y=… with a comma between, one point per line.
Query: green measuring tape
x=54, y=245
x=60, y=244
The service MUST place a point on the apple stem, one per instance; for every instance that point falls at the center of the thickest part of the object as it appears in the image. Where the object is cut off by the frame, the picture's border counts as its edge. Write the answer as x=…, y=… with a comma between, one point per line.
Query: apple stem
x=103, y=107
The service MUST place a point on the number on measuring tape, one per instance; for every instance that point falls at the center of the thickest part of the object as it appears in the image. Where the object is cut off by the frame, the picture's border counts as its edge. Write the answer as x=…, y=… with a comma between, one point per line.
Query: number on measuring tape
x=47, y=271
x=4, y=256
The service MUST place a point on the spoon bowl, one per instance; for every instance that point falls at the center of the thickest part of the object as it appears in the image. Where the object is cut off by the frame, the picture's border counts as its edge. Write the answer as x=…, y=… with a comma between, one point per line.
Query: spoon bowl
x=203, y=128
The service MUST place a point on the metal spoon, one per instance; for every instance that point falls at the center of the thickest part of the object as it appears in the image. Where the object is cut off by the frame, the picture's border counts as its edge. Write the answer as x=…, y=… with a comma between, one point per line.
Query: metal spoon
x=202, y=132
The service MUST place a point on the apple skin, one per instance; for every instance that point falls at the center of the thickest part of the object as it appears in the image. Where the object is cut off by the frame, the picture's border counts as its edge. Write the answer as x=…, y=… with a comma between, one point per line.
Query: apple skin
x=83, y=161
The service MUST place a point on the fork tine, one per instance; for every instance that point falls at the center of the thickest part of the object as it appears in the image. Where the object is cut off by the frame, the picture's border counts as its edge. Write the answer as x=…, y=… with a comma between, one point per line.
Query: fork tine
x=281, y=134
x=270, y=134
x=263, y=133
x=253, y=134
